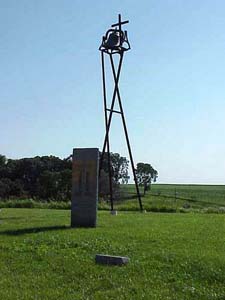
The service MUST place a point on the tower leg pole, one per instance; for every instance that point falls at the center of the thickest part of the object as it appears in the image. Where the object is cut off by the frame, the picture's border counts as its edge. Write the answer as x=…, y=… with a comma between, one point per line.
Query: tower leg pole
x=111, y=111
x=126, y=132
x=107, y=137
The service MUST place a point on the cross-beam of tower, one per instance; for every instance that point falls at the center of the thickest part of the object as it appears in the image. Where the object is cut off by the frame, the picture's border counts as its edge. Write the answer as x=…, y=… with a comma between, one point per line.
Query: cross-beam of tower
x=115, y=41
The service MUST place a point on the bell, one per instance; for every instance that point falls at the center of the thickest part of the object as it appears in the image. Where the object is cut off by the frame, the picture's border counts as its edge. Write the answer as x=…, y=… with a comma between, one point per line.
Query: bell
x=113, y=40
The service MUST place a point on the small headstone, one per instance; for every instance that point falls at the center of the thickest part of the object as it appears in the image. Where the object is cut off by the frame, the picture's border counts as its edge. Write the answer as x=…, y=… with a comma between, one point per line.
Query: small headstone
x=84, y=187
x=111, y=260
x=113, y=212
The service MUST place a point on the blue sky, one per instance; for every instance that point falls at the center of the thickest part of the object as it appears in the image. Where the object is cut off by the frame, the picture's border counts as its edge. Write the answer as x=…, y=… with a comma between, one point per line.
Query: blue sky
x=172, y=82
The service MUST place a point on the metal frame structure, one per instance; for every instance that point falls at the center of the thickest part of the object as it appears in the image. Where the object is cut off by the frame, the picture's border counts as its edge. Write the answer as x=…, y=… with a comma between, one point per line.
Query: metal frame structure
x=115, y=42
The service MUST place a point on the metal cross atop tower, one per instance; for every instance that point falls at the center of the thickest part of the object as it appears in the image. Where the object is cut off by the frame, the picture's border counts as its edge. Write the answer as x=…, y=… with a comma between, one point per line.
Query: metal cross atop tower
x=119, y=22
x=115, y=41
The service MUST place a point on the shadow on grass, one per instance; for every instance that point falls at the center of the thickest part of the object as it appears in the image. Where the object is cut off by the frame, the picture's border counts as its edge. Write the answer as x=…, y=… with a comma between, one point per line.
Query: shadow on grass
x=11, y=218
x=33, y=230
x=199, y=201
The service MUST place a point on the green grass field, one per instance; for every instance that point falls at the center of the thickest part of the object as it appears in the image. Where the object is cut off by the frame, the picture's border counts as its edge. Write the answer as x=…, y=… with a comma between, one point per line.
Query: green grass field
x=204, y=194
x=172, y=256
x=174, y=198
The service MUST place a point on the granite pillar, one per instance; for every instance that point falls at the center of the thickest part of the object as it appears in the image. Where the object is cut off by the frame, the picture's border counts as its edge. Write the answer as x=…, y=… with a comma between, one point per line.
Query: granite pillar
x=84, y=187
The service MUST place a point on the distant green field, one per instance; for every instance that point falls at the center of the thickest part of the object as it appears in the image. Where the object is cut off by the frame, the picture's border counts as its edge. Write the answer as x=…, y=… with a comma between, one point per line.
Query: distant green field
x=212, y=194
x=172, y=256
x=176, y=196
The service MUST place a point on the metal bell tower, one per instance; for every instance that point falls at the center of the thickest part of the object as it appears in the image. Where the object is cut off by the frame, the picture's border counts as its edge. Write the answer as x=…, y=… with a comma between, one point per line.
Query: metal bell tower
x=115, y=42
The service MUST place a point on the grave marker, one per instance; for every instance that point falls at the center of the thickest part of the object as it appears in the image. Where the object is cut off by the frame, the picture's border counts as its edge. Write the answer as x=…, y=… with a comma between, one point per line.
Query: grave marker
x=84, y=187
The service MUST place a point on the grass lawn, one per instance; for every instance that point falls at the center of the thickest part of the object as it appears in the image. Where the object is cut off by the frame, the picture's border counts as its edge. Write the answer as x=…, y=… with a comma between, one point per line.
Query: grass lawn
x=173, y=256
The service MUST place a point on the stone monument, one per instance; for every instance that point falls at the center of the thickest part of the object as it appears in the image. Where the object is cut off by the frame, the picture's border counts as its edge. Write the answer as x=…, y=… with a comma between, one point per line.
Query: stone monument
x=84, y=187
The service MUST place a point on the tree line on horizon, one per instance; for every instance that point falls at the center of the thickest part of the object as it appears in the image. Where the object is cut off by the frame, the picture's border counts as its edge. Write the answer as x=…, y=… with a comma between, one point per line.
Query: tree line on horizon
x=50, y=177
